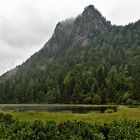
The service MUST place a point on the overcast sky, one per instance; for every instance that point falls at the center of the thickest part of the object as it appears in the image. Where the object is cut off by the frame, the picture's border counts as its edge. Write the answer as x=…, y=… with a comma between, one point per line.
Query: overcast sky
x=25, y=25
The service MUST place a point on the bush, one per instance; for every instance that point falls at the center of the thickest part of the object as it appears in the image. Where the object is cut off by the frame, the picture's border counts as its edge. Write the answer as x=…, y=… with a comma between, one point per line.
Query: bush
x=68, y=130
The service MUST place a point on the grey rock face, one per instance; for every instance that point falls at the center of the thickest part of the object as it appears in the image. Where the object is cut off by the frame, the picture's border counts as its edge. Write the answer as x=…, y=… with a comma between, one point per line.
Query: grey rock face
x=86, y=25
x=78, y=31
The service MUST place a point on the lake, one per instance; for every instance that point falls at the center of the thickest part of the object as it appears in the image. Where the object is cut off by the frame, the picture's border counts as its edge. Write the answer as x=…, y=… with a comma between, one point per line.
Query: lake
x=59, y=108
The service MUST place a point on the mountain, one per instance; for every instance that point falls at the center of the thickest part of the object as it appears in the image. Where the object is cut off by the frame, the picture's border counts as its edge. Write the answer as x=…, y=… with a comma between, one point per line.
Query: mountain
x=87, y=60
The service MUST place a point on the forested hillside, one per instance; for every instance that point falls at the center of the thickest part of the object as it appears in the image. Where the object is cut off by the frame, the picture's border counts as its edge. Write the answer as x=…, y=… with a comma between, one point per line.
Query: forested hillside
x=87, y=60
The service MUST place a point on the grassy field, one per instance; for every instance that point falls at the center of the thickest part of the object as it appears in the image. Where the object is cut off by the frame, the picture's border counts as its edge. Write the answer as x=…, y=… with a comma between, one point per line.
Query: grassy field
x=123, y=112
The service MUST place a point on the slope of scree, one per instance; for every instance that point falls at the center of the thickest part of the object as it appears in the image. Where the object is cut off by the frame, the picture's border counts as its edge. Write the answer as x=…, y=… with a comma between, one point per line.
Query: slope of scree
x=87, y=60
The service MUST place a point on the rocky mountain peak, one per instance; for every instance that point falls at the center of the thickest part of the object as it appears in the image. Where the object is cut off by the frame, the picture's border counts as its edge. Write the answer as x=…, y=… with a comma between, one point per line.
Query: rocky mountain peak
x=86, y=25
x=90, y=10
x=78, y=30
x=94, y=16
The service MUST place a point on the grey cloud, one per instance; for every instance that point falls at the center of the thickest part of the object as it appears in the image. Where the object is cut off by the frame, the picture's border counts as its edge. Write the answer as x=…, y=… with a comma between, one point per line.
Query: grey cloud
x=11, y=57
x=30, y=29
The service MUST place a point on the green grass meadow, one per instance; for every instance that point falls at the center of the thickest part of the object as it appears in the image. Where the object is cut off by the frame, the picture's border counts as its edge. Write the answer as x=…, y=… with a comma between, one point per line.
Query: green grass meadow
x=123, y=112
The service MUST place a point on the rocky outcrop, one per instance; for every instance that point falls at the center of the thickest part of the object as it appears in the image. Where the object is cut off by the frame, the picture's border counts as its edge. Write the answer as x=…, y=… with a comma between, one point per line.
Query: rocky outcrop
x=86, y=25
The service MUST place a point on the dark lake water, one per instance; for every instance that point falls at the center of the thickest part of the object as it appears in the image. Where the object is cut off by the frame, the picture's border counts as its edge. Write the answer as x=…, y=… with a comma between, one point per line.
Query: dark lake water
x=74, y=109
